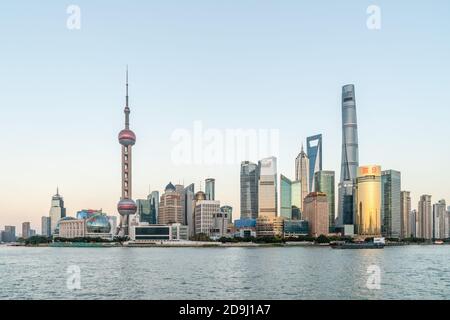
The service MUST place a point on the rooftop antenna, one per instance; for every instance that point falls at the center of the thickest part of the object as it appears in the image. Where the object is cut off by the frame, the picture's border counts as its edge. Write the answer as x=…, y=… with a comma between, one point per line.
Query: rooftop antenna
x=127, y=88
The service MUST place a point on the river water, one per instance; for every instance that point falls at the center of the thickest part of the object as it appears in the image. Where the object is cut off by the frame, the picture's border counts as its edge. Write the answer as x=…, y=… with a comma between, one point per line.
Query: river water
x=408, y=272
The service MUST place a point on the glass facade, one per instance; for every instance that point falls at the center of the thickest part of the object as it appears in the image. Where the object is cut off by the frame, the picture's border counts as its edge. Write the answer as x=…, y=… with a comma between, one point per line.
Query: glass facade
x=268, y=188
x=296, y=199
x=153, y=233
x=143, y=210
x=210, y=189
x=46, y=230
x=249, y=190
x=390, y=204
x=154, y=206
x=350, y=155
x=189, y=194
x=245, y=223
x=314, y=150
x=368, y=201
x=295, y=228
x=98, y=223
x=324, y=181
x=286, y=197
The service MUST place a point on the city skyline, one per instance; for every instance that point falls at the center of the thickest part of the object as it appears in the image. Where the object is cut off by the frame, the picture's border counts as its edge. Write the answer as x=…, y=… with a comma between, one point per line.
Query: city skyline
x=209, y=186
x=60, y=94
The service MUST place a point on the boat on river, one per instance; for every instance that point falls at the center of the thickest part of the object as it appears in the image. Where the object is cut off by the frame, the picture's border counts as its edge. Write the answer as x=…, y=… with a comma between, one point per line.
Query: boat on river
x=377, y=243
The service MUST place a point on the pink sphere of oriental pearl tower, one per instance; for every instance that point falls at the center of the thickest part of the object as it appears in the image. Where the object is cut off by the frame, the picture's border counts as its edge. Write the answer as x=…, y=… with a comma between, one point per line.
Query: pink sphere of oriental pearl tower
x=126, y=205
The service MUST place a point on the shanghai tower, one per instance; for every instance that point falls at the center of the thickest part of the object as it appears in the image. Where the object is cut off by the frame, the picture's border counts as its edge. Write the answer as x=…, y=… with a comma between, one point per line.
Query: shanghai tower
x=126, y=205
x=350, y=161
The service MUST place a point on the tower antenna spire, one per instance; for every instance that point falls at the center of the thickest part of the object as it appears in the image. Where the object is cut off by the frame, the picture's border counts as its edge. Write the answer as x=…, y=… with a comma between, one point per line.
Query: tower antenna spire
x=127, y=88
x=127, y=108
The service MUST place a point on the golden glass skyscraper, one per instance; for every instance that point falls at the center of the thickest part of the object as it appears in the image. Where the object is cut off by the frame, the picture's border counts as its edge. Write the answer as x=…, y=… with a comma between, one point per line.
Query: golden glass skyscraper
x=368, y=201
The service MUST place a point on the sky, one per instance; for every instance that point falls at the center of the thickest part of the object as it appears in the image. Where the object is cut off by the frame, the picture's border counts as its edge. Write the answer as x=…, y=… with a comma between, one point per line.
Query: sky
x=237, y=64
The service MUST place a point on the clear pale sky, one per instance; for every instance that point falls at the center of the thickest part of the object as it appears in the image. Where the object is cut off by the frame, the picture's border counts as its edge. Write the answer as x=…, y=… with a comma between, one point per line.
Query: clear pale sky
x=231, y=64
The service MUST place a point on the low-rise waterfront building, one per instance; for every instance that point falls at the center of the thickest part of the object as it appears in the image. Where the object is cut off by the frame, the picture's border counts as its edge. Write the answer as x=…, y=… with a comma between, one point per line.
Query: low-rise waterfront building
x=245, y=228
x=295, y=228
x=145, y=232
x=89, y=224
x=267, y=226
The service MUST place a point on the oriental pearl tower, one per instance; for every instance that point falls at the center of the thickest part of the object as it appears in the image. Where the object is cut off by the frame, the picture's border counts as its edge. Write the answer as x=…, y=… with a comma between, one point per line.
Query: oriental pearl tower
x=126, y=205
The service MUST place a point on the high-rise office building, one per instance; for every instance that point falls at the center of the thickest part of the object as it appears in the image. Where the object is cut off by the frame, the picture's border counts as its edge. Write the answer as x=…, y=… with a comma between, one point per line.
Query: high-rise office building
x=368, y=201
x=220, y=224
x=315, y=211
x=26, y=230
x=447, y=224
x=46, y=228
x=147, y=209
x=199, y=196
x=296, y=199
x=324, y=181
x=153, y=198
x=302, y=174
x=57, y=210
x=285, y=197
x=127, y=140
x=424, y=218
x=390, y=204
x=413, y=223
x=210, y=189
x=249, y=190
x=143, y=210
x=267, y=188
x=170, y=206
x=9, y=235
x=350, y=156
x=188, y=207
x=205, y=211
x=314, y=150
x=439, y=213
x=181, y=190
x=229, y=212
x=405, y=211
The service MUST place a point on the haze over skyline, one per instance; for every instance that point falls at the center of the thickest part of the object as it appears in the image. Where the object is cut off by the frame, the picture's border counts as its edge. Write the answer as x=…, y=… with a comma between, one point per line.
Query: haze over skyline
x=237, y=64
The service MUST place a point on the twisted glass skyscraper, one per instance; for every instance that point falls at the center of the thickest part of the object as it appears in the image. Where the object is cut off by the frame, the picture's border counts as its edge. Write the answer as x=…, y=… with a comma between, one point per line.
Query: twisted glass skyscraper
x=350, y=158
